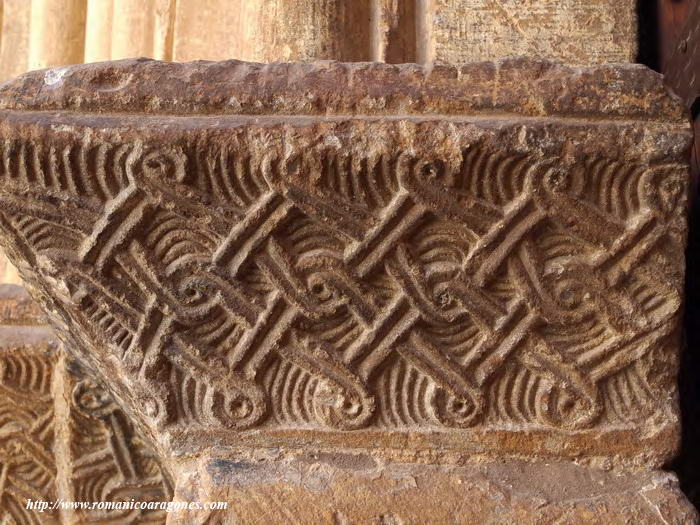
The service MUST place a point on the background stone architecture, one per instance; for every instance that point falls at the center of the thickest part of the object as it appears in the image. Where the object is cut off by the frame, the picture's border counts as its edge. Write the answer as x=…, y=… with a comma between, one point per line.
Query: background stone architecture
x=45, y=33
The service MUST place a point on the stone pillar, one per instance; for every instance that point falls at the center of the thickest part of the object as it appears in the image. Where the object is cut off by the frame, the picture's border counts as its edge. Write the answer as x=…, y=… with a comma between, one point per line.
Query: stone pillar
x=14, y=39
x=133, y=29
x=98, y=30
x=395, y=25
x=415, y=293
x=164, y=29
x=264, y=31
x=57, y=33
x=143, y=29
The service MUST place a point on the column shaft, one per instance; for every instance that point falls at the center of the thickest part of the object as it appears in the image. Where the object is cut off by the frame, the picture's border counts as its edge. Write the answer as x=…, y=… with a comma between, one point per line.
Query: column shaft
x=57, y=33
x=98, y=30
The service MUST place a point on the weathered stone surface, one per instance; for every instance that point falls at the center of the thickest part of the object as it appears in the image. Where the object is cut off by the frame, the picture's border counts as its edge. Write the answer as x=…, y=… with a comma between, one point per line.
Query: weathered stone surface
x=484, y=260
x=61, y=435
x=394, y=31
x=574, y=31
x=517, y=87
x=269, y=31
x=343, y=488
x=17, y=308
x=28, y=356
x=109, y=461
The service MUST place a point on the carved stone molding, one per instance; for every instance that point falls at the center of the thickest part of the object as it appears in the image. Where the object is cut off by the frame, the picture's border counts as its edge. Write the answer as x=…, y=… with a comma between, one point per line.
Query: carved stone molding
x=62, y=437
x=439, y=263
x=27, y=426
x=110, y=461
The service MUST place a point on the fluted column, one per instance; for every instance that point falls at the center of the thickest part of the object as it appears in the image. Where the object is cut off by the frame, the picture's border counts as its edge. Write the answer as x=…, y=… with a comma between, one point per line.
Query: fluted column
x=272, y=30
x=98, y=30
x=57, y=32
x=132, y=29
x=142, y=29
x=163, y=29
x=393, y=24
x=15, y=38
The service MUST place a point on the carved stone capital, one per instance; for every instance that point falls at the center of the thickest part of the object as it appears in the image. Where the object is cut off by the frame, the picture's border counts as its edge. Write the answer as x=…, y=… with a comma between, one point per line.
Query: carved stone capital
x=458, y=262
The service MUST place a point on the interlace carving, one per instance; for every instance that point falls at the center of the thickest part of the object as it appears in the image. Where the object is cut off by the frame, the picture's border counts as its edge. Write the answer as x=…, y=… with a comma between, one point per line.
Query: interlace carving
x=330, y=289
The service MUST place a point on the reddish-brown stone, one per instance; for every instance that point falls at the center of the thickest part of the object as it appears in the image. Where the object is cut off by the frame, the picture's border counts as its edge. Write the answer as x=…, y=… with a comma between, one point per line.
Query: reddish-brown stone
x=345, y=488
x=440, y=265
x=17, y=308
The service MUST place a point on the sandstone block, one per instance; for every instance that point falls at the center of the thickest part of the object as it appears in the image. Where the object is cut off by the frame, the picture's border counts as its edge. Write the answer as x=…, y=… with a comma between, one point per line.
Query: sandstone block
x=574, y=31
x=346, y=488
x=477, y=260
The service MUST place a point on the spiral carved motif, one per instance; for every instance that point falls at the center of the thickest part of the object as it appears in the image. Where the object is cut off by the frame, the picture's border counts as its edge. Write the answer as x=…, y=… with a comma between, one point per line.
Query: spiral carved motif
x=342, y=291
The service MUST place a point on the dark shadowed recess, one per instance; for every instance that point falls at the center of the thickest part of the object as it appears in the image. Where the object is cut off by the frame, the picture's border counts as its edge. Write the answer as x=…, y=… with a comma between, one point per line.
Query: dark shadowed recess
x=664, y=26
x=648, y=31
